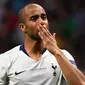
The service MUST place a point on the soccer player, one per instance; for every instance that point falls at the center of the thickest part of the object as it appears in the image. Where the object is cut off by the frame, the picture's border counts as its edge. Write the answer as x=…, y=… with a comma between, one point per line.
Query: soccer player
x=38, y=61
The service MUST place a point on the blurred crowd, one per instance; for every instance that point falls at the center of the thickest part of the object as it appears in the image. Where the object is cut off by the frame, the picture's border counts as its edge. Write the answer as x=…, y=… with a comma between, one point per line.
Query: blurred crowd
x=66, y=18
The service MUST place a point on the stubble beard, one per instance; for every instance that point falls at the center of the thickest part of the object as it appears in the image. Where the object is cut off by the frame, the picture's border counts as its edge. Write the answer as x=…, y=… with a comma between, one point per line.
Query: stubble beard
x=35, y=37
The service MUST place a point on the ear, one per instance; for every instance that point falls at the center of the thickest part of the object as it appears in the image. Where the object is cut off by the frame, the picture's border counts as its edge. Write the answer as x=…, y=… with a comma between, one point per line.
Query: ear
x=22, y=27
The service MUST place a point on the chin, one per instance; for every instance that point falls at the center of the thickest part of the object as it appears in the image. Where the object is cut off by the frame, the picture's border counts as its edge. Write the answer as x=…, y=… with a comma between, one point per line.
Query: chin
x=36, y=38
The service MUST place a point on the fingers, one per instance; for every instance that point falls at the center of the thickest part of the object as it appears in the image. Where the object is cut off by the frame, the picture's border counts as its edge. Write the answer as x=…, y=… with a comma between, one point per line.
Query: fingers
x=45, y=35
x=54, y=35
x=40, y=34
x=44, y=31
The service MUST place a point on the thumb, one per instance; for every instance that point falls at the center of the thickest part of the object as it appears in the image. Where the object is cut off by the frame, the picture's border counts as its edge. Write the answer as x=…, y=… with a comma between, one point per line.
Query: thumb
x=54, y=35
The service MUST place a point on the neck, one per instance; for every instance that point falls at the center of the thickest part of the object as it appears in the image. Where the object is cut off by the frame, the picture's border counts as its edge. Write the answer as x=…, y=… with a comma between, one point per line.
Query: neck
x=32, y=46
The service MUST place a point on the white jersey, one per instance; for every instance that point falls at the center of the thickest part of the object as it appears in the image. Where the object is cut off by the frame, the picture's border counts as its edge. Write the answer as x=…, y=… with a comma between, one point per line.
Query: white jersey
x=18, y=68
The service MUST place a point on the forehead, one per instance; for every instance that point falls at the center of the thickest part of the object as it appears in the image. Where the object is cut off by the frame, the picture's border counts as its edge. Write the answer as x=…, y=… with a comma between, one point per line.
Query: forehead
x=34, y=10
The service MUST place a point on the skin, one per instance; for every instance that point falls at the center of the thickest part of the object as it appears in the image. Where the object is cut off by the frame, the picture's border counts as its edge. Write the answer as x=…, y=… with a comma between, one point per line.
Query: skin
x=33, y=16
x=38, y=37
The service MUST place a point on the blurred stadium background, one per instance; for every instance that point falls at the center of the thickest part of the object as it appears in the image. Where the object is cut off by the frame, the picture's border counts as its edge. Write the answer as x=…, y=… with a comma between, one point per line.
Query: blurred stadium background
x=66, y=18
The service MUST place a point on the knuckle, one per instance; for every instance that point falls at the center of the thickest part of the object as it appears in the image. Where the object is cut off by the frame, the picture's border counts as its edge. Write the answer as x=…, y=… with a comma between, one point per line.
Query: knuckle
x=45, y=32
x=47, y=41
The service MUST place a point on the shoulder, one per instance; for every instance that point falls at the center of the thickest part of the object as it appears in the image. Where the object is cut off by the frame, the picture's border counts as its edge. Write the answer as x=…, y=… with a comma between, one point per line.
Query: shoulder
x=66, y=53
x=11, y=51
x=9, y=55
x=69, y=56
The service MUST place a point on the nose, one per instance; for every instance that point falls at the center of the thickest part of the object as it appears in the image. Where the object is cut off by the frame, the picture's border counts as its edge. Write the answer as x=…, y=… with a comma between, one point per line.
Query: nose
x=40, y=21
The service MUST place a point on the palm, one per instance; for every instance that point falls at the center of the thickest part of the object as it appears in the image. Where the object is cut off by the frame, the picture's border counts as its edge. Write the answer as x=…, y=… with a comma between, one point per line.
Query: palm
x=48, y=39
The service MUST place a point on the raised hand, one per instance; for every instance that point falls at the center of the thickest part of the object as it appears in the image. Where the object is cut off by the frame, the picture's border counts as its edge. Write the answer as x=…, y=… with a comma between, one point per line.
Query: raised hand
x=48, y=39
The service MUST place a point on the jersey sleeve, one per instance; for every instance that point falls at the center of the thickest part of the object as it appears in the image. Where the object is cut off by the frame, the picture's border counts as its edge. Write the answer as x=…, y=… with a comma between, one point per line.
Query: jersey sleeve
x=69, y=57
x=3, y=69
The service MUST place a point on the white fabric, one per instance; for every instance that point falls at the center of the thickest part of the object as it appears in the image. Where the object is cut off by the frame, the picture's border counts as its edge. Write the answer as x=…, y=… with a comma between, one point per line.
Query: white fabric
x=23, y=70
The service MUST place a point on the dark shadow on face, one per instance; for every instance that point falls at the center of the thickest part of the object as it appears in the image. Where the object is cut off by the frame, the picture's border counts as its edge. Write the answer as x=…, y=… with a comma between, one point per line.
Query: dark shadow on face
x=36, y=38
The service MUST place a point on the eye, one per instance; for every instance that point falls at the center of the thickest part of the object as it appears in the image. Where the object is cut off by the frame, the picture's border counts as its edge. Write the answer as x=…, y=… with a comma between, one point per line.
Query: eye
x=34, y=18
x=43, y=16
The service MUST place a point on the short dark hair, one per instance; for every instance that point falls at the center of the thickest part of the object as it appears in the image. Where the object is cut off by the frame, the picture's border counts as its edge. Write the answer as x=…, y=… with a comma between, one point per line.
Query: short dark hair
x=21, y=16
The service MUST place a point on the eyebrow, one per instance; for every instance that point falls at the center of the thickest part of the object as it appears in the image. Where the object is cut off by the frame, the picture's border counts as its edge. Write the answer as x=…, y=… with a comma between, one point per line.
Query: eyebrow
x=36, y=15
x=33, y=16
x=43, y=14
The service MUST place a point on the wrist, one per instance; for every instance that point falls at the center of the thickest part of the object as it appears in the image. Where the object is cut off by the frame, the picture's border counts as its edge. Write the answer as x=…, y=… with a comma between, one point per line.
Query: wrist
x=58, y=52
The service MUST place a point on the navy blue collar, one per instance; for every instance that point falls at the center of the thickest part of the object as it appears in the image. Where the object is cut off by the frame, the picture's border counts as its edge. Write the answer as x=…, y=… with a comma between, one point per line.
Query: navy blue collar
x=23, y=49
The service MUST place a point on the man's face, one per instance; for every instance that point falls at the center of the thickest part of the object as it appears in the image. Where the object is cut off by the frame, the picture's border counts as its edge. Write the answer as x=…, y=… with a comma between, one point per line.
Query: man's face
x=34, y=16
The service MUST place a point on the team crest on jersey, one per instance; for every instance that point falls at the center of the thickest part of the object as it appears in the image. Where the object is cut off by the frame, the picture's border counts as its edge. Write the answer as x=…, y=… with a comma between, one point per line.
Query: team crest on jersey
x=54, y=67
